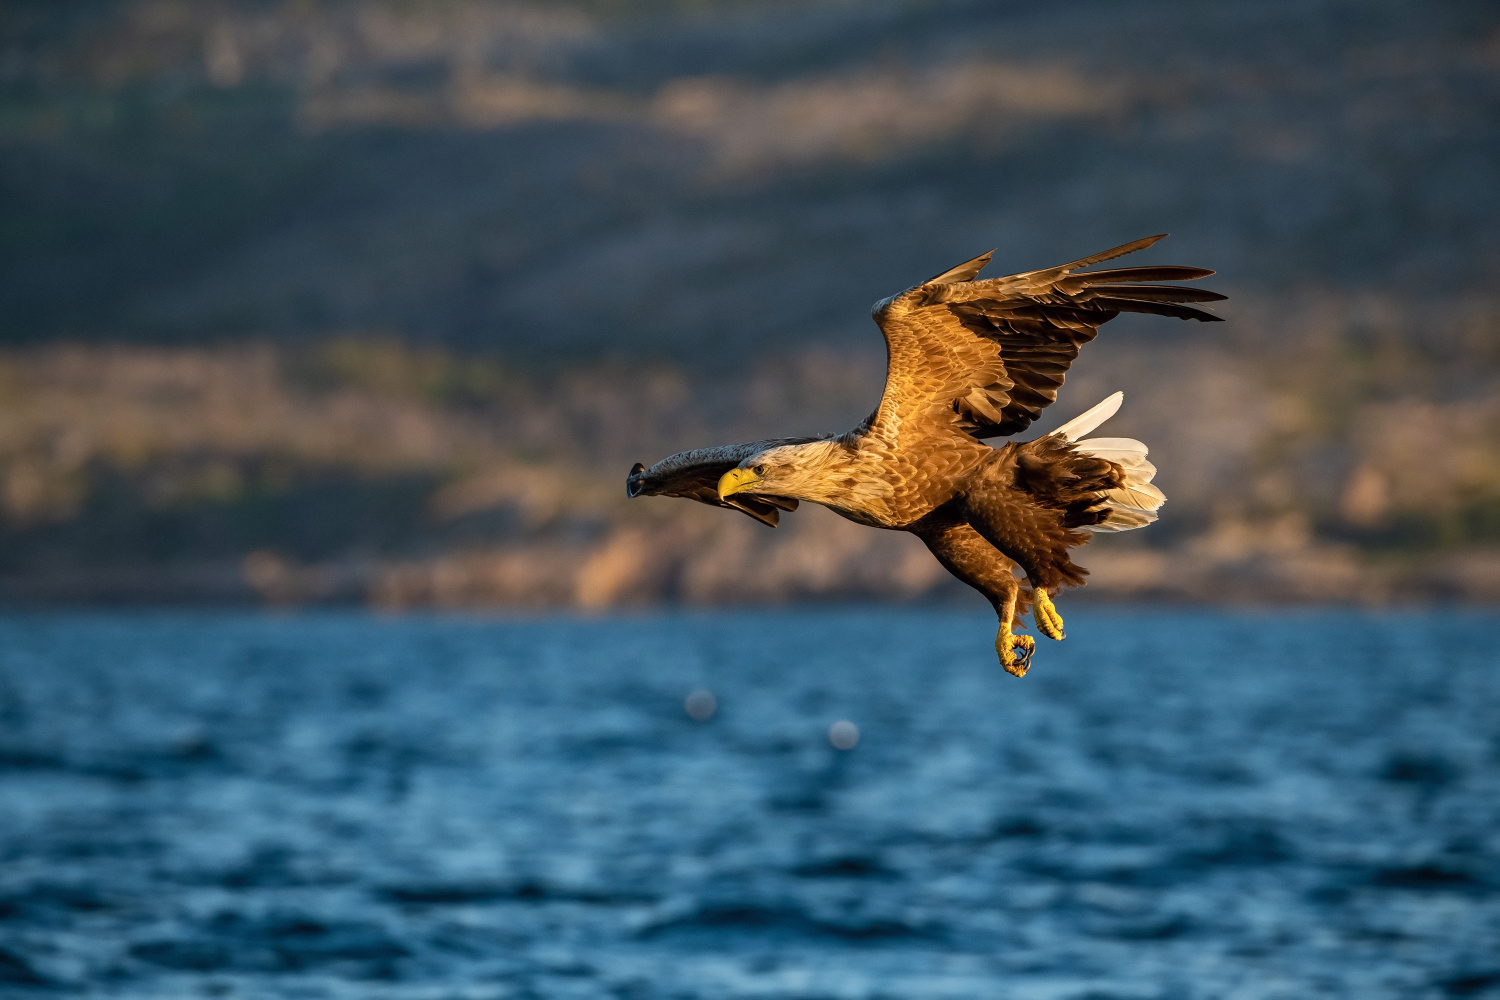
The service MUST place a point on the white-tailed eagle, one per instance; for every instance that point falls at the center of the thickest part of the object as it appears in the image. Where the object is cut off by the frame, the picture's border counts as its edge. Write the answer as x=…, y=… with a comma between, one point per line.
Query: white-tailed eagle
x=970, y=360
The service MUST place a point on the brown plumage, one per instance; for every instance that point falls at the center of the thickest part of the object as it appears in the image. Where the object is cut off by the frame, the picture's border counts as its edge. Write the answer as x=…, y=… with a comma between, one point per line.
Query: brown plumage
x=968, y=360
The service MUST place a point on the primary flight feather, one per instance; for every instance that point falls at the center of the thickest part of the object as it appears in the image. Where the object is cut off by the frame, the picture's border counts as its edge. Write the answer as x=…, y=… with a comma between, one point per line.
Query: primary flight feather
x=969, y=360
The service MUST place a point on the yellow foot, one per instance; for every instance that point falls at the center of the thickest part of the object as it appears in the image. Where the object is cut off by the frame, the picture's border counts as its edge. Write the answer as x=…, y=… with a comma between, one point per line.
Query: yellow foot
x=1048, y=621
x=1007, y=644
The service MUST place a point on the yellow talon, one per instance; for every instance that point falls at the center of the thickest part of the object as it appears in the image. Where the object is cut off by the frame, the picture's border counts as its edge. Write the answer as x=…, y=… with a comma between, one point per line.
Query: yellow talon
x=1006, y=645
x=1048, y=621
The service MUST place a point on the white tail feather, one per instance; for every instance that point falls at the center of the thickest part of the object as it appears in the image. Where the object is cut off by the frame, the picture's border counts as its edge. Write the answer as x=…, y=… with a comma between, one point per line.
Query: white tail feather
x=1141, y=496
x=1089, y=419
x=1123, y=447
x=1124, y=520
x=1128, y=453
x=1134, y=505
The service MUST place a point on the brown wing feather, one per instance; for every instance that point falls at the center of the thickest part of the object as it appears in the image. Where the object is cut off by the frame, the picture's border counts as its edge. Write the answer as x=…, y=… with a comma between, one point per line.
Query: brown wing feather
x=984, y=358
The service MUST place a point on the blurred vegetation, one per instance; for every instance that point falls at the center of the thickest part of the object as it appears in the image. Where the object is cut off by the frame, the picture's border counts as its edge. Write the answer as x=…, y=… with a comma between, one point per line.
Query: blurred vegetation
x=375, y=299
x=446, y=171
x=357, y=462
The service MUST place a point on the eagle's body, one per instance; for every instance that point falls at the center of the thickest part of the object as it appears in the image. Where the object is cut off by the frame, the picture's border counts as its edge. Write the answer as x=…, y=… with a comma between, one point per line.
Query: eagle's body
x=970, y=360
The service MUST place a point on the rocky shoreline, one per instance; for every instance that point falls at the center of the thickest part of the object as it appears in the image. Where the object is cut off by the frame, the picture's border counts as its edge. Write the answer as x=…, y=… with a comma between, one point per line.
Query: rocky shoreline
x=726, y=565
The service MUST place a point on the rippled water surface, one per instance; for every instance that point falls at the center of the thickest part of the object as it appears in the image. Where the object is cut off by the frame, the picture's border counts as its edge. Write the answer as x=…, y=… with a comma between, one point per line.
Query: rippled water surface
x=1172, y=805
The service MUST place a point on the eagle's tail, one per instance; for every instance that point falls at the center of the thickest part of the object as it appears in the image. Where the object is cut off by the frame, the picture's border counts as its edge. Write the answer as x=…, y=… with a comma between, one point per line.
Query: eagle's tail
x=1135, y=503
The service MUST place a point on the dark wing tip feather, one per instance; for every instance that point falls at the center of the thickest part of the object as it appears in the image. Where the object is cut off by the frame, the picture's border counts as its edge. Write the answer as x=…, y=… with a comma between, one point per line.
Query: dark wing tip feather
x=1149, y=272
x=1111, y=254
x=1158, y=293
x=1038, y=320
x=1155, y=308
x=966, y=271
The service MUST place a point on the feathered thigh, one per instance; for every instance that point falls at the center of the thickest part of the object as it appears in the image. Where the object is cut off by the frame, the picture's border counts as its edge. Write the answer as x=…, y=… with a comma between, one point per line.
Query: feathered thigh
x=1030, y=502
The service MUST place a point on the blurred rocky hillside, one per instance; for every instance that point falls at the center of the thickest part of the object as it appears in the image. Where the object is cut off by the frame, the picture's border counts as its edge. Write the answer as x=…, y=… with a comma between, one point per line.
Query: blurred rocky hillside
x=705, y=180
x=304, y=300
x=374, y=472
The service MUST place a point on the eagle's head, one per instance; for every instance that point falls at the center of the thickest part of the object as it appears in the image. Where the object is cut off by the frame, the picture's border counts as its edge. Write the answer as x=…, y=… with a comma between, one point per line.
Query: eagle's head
x=820, y=471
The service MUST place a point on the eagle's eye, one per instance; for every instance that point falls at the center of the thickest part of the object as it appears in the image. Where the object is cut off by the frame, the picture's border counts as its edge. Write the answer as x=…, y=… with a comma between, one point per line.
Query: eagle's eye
x=759, y=470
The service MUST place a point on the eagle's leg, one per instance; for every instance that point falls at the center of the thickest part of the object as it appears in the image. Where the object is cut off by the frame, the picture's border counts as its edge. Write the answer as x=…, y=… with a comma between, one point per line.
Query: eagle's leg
x=1048, y=621
x=964, y=553
x=1010, y=517
x=1014, y=650
x=1006, y=645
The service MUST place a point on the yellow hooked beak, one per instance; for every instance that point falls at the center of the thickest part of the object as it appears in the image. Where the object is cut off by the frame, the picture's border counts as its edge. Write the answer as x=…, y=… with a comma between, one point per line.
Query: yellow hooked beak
x=737, y=481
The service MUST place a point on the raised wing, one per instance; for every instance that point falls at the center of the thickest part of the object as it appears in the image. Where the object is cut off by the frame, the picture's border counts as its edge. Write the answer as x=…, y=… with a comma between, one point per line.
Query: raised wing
x=695, y=475
x=986, y=357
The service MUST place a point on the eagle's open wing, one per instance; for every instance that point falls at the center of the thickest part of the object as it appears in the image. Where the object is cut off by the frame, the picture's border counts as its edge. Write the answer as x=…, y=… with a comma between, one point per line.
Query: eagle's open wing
x=986, y=357
x=695, y=475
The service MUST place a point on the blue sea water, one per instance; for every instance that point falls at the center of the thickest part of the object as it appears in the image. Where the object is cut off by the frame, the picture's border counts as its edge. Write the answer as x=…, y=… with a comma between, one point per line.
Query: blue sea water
x=1173, y=804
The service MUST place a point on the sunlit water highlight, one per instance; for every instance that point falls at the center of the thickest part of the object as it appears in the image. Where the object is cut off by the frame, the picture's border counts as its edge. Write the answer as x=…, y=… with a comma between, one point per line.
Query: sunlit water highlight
x=1172, y=805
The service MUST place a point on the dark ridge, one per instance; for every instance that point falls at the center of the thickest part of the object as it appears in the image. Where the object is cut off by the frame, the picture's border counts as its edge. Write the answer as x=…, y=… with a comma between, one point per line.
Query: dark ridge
x=847, y=866
x=287, y=944
x=1157, y=929
x=524, y=892
x=162, y=243
x=782, y=919
x=275, y=868
x=1425, y=876
x=39, y=900
x=1245, y=847
x=1418, y=769
x=1019, y=826
x=127, y=769
x=21, y=759
x=1163, y=872
x=185, y=956
x=1468, y=983
x=797, y=801
x=16, y=971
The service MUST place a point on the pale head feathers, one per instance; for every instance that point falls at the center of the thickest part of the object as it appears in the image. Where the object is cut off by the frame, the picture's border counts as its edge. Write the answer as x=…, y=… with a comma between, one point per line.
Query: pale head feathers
x=827, y=472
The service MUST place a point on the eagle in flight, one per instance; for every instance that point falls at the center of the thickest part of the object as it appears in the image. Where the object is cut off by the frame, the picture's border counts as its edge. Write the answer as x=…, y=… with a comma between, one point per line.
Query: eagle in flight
x=969, y=360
